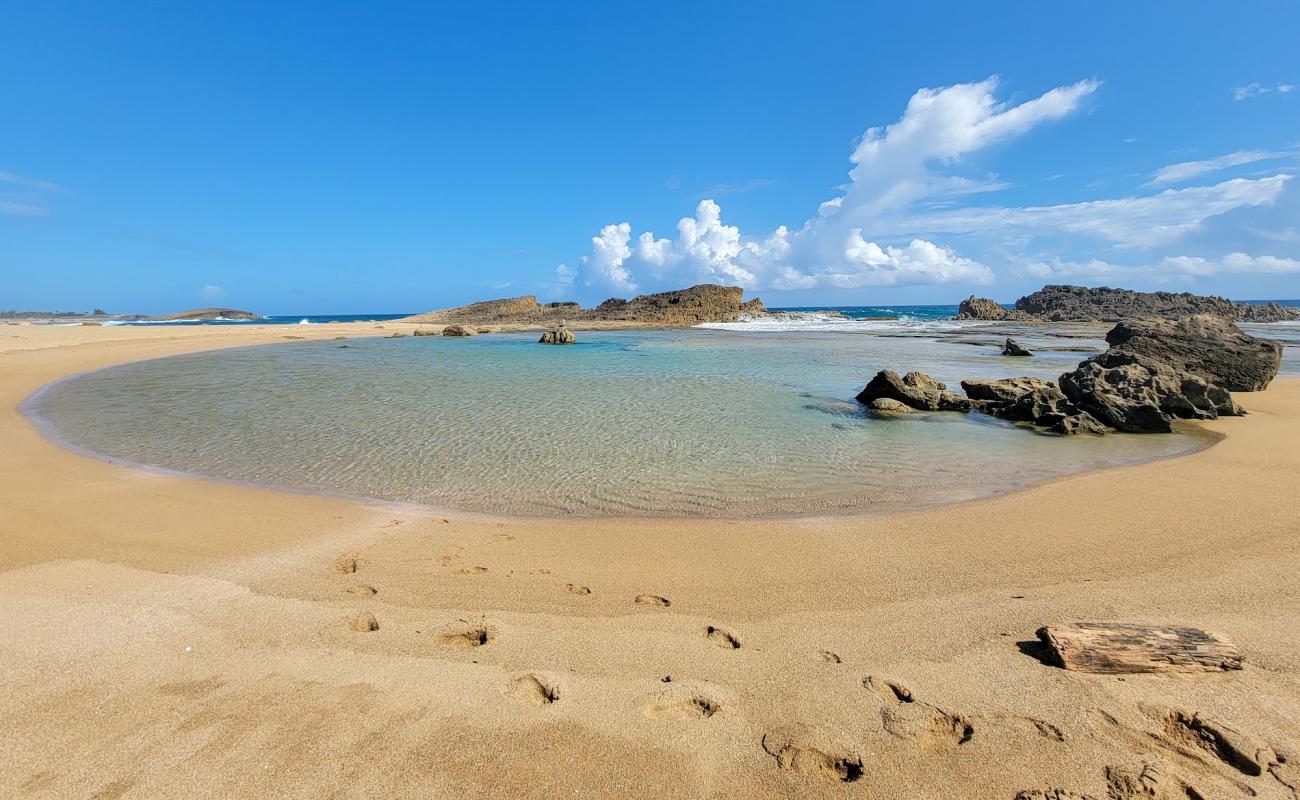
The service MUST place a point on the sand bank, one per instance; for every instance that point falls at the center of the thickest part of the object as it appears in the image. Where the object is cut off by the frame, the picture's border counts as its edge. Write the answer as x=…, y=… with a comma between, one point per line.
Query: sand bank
x=168, y=637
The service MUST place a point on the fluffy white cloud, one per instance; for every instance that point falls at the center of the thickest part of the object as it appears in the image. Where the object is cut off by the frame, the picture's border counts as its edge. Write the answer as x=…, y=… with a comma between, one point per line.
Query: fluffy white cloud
x=1186, y=170
x=907, y=201
x=893, y=167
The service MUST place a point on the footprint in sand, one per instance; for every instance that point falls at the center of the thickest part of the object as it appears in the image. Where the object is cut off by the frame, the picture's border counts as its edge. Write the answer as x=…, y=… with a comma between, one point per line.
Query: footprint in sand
x=471, y=570
x=800, y=750
x=502, y=537
x=392, y=523
x=930, y=727
x=652, y=600
x=829, y=657
x=346, y=564
x=466, y=635
x=683, y=703
x=887, y=690
x=533, y=689
x=364, y=622
x=574, y=588
x=363, y=590
x=721, y=638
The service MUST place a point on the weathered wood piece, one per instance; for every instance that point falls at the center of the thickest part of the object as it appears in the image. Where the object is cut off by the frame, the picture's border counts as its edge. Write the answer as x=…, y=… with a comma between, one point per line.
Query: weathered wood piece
x=1115, y=648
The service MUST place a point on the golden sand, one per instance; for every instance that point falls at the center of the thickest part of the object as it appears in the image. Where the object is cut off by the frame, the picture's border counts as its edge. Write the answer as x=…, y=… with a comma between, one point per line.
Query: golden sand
x=163, y=636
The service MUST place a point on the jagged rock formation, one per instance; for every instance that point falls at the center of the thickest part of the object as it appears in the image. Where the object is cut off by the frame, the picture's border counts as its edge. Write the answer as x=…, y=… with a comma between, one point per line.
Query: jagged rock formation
x=558, y=335
x=706, y=302
x=983, y=308
x=208, y=313
x=1155, y=371
x=1138, y=394
x=1014, y=348
x=1159, y=370
x=1208, y=347
x=1032, y=400
x=1059, y=303
x=914, y=390
x=680, y=308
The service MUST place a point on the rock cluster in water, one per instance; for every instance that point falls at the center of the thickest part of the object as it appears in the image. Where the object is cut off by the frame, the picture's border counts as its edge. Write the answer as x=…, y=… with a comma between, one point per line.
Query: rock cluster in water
x=558, y=335
x=1155, y=371
x=1057, y=303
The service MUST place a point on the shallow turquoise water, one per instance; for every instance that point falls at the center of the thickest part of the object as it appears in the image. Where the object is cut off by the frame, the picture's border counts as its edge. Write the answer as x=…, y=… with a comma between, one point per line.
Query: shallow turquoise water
x=690, y=422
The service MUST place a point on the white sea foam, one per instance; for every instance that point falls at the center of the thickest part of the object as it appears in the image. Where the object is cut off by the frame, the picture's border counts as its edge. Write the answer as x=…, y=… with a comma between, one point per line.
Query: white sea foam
x=815, y=321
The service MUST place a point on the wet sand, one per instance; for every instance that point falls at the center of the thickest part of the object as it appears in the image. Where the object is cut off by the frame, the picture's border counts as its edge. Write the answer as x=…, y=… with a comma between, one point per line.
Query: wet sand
x=163, y=636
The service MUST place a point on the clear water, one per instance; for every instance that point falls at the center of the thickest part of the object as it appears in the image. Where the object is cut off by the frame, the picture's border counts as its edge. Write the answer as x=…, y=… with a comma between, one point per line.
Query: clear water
x=691, y=422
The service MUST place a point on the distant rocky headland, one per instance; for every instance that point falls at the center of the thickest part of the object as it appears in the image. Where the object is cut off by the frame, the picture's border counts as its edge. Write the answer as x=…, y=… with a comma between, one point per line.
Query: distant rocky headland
x=1059, y=303
x=682, y=308
x=206, y=313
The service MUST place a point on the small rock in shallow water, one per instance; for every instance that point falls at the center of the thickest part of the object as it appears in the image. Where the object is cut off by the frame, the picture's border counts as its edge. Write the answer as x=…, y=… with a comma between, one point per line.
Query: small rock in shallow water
x=1013, y=348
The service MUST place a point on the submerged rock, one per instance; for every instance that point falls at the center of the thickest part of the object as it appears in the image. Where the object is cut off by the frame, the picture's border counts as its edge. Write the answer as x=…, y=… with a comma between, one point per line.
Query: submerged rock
x=458, y=330
x=885, y=405
x=1013, y=348
x=915, y=390
x=558, y=335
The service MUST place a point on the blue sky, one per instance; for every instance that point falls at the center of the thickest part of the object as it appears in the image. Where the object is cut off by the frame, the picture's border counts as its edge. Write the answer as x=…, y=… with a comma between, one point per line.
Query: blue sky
x=371, y=157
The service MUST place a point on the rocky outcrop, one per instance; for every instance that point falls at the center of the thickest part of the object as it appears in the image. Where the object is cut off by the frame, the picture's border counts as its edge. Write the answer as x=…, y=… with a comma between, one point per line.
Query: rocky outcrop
x=1208, y=347
x=207, y=313
x=1013, y=348
x=426, y=332
x=1157, y=371
x=1031, y=400
x=706, y=302
x=1076, y=303
x=459, y=330
x=982, y=308
x=914, y=390
x=1006, y=390
x=682, y=308
x=1137, y=394
x=1059, y=303
x=558, y=335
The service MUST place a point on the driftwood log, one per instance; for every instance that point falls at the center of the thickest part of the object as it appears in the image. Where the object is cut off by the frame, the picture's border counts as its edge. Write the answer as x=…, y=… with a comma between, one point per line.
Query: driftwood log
x=1124, y=648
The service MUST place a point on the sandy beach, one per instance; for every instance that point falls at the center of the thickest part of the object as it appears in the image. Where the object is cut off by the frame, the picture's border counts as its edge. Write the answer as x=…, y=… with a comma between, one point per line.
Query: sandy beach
x=163, y=636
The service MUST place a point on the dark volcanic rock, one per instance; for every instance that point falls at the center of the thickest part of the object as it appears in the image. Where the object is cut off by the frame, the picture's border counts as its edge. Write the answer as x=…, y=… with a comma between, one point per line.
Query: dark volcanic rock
x=915, y=390
x=1013, y=348
x=1058, y=303
x=1136, y=393
x=1208, y=347
x=1031, y=400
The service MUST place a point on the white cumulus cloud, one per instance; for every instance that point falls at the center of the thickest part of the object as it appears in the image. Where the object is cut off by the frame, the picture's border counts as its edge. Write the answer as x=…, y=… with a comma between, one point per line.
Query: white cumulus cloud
x=893, y=167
